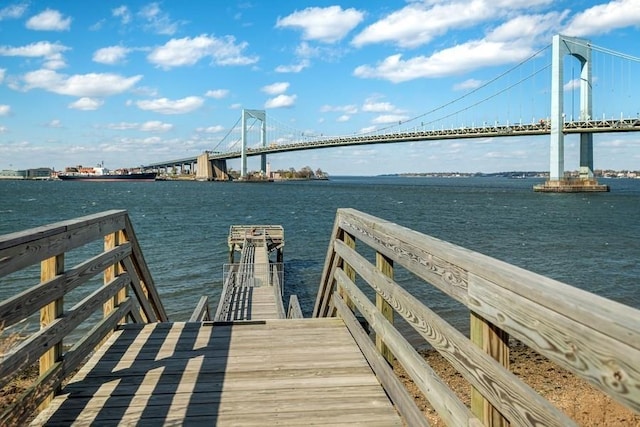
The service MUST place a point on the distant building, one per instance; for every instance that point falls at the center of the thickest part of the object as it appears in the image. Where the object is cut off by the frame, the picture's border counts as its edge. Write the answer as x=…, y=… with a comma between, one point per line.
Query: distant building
x=37, y=173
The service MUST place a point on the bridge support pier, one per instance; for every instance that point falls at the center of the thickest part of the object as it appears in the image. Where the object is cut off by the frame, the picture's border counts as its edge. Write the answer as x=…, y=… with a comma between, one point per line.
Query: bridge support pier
x=211, y=170
x=580, y=49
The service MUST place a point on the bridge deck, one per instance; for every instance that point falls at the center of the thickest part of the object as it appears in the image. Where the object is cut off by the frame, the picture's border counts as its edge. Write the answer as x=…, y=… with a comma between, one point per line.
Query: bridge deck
x=284, y=372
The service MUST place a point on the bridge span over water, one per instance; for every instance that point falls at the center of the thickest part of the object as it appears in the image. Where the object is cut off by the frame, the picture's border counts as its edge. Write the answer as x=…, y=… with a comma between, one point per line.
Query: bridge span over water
x=211, y=165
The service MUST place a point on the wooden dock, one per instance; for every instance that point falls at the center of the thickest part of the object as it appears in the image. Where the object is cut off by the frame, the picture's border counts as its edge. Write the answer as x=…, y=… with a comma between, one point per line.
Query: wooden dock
x=274, y=372
x=250, y=367
x=254, y=364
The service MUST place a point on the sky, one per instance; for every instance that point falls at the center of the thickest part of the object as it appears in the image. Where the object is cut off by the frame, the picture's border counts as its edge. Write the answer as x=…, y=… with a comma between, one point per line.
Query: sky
x=137, y=82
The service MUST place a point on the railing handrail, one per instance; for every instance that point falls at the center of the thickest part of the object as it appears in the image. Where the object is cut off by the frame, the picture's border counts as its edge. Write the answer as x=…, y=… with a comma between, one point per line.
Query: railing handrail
x=120, y=263
x=593, y=337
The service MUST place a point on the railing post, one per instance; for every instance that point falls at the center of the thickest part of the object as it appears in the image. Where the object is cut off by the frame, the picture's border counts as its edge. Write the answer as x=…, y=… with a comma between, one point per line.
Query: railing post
x=350, y=241
x=49, y=269
x=385, y=265
x=124, y=292
x=111, y=241
x=495, y=342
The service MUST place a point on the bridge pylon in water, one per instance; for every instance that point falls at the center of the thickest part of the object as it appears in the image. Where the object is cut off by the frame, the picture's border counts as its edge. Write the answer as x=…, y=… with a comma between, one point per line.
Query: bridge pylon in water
x=580, y=49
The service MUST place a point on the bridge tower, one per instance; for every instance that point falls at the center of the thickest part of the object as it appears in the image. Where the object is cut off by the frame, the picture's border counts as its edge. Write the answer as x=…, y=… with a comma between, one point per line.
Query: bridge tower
x=258, y=115
x=580, y=49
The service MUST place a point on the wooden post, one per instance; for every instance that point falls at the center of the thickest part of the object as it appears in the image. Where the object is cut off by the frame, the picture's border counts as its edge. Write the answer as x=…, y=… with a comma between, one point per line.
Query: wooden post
x=49, y=269
x=122, y=293
x=385, y=265
x=110, y=273
x=350, y=241
x=495, y=342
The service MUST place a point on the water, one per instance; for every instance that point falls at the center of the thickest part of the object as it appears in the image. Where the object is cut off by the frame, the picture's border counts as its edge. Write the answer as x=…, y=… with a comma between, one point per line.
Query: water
x=591, y=241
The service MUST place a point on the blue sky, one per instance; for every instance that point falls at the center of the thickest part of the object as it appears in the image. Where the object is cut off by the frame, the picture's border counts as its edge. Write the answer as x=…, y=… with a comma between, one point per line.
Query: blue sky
x=136, y=82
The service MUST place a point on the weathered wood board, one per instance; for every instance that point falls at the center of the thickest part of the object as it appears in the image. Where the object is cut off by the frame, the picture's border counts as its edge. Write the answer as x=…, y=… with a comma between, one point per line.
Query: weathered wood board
x=258, y=373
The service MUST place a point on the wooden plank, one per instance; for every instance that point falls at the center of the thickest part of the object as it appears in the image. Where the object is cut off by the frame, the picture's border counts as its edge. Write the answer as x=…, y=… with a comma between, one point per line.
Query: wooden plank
x=494, y=342
x=385, y=265
x=580, y=347
x=38, y=343
x=325, y=291
x=290, y=384
x=110, y=241
x=523, y=405
x=431, y=259
x=143, y=271
x=68, y=235
x=294, y=311
x=24, y=304
x=443, y=399
x=201, y=312
x=403, y=401
x=31, y=399
x=138, y=290
x=49, y=269
x=450, y=268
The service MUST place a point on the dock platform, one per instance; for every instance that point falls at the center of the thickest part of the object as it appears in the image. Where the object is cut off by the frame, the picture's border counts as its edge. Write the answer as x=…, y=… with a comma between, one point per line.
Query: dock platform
x=272, y=372
x=248, y=367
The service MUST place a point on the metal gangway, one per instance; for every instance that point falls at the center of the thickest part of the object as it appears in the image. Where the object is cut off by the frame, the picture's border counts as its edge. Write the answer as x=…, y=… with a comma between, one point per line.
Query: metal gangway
x=252, y=288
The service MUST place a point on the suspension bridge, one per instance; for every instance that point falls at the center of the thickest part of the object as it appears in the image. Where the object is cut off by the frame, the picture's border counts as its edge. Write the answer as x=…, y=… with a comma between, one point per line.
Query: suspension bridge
x=251, y=136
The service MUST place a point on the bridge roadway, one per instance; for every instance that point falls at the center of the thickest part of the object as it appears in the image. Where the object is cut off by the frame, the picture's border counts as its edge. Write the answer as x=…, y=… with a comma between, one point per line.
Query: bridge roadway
x=508, y=130
x=251, y=367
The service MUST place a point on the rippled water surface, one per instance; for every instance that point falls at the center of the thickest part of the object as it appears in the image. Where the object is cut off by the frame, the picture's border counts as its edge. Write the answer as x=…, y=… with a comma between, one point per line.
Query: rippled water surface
x=588, y=240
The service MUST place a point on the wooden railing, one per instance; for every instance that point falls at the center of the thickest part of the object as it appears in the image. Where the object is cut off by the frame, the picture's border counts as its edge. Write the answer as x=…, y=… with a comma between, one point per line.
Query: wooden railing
x=122, y=267
x=593, y=337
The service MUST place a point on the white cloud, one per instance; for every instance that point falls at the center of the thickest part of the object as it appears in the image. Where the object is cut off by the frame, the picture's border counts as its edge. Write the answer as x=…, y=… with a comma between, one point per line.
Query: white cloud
x=468, y=84
x=211, y=129
x=188, y=51
x=293, y=68
x=158, y=21
x=343, y=118
x=122, y=126
x=155, y=126
x=13, y=11
x=217, y=93
x=281, y=101
x=510, y=42
x=572, y=85
x=368, y=129
x=51, y=53
x=419, y=23
x=372, y=106
x=235, y=106
x=328, y=25
x=82, y=85
x=346, y=109
x=2, y=74
x=55, y=124
x=86, y=104
x=603, y=18
x=111, y=55
x=123, y=13
x=167, y=106
x=3, y=129
x=389, y=118
x=275, y=88
x=4, y=110
x=49, y=20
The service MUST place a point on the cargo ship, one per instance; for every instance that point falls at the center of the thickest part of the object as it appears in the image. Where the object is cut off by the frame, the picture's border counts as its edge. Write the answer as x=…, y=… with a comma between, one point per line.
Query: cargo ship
x=102, y=174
